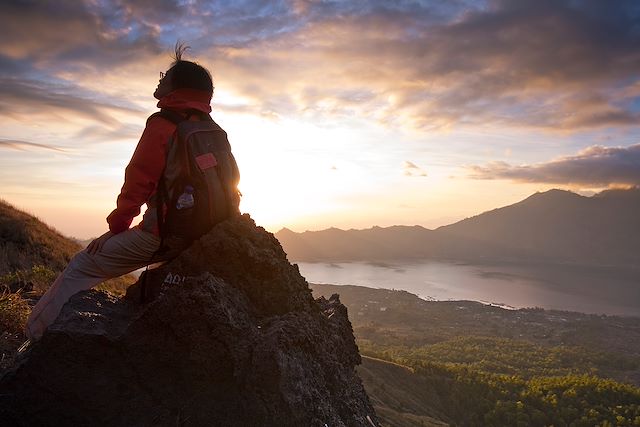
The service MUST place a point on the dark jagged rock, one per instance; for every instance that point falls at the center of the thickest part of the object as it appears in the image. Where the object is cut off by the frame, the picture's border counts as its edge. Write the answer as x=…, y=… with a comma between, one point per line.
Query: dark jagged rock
x=233, y=338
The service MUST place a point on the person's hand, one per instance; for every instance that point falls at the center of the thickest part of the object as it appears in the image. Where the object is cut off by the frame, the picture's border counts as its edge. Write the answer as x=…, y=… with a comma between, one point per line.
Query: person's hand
x=95, y=246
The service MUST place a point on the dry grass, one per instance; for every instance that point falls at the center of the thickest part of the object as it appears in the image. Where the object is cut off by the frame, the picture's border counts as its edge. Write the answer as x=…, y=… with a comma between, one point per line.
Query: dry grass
x=117, y=286
x=14, y=311
x=26, y=241
x=36, y=279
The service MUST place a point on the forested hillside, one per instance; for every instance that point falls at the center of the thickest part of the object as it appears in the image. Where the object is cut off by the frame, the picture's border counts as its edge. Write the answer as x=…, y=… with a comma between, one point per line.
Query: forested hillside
x=478, y=365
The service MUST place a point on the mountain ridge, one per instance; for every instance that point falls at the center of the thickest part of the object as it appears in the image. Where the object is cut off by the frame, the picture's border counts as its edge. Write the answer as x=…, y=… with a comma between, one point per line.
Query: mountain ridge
x=551, y=226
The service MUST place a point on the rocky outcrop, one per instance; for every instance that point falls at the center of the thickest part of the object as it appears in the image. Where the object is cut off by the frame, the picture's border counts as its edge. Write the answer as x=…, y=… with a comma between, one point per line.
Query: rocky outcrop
x=233, y=337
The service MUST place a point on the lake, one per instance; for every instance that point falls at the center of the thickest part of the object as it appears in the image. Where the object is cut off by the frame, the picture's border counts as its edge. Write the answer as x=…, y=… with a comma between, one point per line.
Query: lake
x=599, y=290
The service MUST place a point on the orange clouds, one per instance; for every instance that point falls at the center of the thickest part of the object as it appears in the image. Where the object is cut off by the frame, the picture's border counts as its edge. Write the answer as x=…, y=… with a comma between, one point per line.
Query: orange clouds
x=441, y=83
x=594, y=166
x=549, y=65
x=555, y=65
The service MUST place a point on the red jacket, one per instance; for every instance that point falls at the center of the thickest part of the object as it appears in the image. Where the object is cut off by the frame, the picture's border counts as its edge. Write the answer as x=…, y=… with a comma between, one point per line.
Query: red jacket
x=143, y=173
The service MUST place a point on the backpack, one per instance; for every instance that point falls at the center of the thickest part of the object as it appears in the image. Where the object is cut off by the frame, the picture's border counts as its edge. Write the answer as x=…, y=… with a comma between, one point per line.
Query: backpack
x=199, y=156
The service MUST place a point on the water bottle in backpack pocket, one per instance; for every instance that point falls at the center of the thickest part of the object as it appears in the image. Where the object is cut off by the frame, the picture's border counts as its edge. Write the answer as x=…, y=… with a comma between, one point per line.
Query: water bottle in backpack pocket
x=186, y=200
x=181, y=218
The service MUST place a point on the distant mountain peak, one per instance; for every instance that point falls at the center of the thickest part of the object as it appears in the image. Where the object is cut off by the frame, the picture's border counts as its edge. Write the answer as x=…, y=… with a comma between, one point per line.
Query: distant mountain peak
x=552, y=226
x=285, y=230
x=555, y=193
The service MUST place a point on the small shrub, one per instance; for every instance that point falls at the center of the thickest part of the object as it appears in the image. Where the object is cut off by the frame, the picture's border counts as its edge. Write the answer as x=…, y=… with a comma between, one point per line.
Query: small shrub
x=14, y=311
x=38, y=277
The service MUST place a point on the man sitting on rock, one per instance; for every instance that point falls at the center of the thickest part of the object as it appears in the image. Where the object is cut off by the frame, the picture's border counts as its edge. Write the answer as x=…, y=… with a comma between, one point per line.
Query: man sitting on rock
x=184, y=91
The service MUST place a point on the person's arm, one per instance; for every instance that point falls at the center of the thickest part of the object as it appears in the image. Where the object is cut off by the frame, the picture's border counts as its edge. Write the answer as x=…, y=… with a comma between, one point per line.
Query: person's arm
x=142, y=174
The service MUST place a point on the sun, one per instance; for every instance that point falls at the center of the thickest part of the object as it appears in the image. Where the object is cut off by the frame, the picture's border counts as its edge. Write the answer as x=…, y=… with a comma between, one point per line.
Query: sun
x=282, y=179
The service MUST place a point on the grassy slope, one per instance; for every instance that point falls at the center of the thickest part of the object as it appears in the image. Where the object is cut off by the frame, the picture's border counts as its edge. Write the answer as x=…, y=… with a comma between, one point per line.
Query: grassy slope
x=25, y=241
x=398, y=395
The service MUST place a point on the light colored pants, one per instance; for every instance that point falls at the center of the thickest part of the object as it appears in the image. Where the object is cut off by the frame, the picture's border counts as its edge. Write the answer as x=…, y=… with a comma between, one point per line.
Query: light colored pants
x=121, y=254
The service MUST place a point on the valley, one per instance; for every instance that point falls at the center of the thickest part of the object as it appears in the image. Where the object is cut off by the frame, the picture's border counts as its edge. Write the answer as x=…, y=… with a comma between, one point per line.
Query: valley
x=490, y=357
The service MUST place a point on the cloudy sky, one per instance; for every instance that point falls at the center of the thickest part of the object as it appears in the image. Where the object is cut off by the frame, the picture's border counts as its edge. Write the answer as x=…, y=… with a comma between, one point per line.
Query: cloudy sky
x=340, y=113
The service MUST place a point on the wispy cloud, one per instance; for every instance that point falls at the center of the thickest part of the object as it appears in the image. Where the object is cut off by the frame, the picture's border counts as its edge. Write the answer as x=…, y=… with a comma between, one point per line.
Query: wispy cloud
x=25, y=97
x=24, y=145
x=595, y=166
x=411, y=169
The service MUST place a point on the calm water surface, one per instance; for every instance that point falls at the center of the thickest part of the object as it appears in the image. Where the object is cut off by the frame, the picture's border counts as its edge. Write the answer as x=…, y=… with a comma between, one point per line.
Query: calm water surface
x=584, y=289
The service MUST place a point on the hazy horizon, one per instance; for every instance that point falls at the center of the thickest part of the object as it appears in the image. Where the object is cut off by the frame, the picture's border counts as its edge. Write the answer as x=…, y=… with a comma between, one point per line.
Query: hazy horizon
x=390, y=221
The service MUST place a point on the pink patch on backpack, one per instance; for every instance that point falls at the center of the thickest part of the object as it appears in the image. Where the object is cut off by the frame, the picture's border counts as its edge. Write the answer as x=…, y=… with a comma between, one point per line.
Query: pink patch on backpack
x=206, y=161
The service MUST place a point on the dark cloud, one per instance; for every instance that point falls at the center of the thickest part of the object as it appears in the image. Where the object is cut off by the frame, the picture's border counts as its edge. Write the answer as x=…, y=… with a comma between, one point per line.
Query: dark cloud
x=595, y=166
x=553, y=64
x=23, y=145
x=48, y=47
x=65, y=34
x=535, y=62
x=19, y=97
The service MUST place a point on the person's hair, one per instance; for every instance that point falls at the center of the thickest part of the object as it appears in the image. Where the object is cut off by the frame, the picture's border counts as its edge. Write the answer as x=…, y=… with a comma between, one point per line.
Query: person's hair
x=187, y=74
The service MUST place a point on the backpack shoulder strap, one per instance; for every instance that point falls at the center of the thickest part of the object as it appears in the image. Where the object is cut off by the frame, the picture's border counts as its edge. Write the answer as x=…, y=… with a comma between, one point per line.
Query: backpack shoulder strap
x=169, y=115
x=162, y=194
